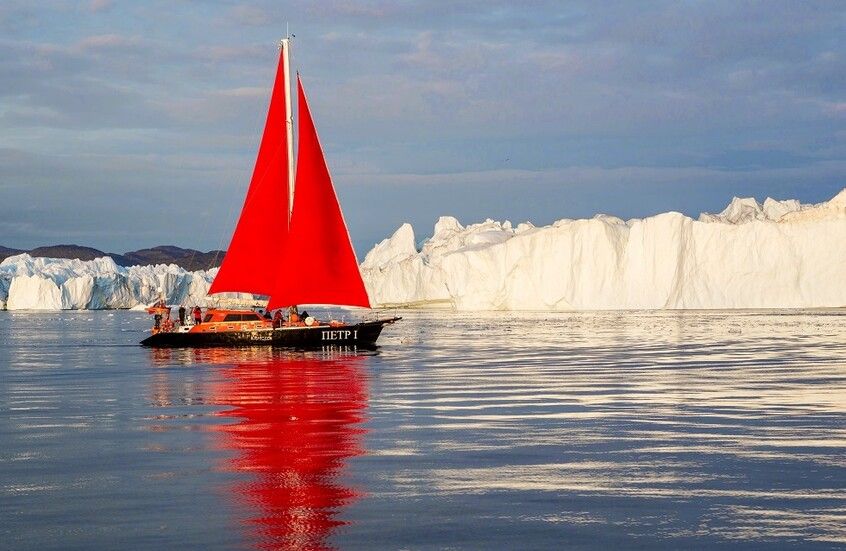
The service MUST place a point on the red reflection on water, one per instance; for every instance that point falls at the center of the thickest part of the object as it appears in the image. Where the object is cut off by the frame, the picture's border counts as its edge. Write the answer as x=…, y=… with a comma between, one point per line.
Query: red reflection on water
x=294, y=420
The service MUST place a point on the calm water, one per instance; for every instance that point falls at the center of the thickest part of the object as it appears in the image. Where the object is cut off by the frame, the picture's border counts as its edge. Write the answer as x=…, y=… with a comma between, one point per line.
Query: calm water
x=585, y=431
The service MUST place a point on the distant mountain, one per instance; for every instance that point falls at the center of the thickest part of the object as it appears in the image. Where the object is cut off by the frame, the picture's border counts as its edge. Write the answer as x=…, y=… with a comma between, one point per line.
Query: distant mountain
x=7, y=252
x=189, y=259
x=168, y=254
x=74, y=251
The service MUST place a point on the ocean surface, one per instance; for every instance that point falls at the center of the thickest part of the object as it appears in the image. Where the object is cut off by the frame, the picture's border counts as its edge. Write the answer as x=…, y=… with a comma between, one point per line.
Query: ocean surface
x=603, y=430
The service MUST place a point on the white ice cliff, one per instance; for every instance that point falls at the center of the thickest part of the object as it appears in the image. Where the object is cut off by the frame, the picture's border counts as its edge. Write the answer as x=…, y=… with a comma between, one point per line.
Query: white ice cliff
x=781, y=254
x=28, y=283
x=777, y=255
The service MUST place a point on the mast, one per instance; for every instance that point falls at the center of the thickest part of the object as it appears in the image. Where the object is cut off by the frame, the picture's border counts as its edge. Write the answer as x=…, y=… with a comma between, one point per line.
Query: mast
x=318, y=236
x=285, y=43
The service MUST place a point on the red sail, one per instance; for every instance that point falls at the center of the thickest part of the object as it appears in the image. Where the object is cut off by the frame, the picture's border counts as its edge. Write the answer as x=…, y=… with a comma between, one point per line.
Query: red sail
x=254, y=255
x=319, y=265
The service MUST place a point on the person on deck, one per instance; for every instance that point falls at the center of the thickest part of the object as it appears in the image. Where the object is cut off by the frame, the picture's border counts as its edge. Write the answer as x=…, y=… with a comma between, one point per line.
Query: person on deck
x=198, y=315
x=182, y=314
x=167, y=323
x=267, y=315
x=293, y=315
x=277, y=318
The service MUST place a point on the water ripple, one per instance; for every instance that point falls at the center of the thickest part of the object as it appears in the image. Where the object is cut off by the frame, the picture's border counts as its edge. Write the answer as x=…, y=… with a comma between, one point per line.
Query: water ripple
x=531, y=430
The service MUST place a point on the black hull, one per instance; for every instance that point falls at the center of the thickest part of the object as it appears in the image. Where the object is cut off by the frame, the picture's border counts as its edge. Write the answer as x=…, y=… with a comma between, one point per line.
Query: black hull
x=362, y=335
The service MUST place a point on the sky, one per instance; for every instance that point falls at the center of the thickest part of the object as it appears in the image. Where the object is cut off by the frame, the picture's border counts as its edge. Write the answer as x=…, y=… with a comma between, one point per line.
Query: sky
x=126, y=125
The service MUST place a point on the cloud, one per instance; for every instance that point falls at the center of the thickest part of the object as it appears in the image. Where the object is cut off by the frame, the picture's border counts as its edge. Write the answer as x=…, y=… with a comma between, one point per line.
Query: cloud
x=96, y=6
x=540, y=105
x=107, y=42
x=250, y=15
x=355, y=9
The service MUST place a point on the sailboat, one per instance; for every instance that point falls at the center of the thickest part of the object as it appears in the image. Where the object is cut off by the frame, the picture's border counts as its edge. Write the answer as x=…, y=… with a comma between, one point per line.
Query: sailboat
x=290, y=244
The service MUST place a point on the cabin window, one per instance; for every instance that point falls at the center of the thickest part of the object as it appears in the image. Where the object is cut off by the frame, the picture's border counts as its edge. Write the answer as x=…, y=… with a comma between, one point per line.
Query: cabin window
x=252, y=317
x=208, y=318
x=233, y=317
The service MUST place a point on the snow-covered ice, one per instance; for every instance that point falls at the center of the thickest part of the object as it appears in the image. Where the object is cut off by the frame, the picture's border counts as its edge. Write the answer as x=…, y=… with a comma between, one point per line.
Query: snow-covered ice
x=28, y=283
x=779, y=254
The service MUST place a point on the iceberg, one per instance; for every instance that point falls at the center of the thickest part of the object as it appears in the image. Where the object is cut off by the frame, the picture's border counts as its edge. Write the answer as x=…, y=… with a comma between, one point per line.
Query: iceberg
x=28, y=283
x=779, y=254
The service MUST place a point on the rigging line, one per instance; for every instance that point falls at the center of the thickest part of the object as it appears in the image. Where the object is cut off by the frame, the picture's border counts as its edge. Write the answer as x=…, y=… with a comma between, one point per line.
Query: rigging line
x=221, y=231
x=193, y=254
x=204, y=229
x=233, y=205
x=250, y=197
x=195, y=251
x=332, y=182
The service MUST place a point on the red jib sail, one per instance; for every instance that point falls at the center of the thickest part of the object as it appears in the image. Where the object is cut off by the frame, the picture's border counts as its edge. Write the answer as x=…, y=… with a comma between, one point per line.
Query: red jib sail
x=254, y=255
x=319, y=264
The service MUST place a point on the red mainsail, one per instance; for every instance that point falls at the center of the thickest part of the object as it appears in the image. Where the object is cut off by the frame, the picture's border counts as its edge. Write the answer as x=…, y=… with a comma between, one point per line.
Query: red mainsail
x=254, y=256
x=318, y=262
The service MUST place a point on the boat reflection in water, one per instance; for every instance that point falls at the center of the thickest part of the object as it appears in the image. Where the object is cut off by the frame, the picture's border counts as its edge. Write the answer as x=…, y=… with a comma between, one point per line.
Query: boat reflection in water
x=295, y=418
